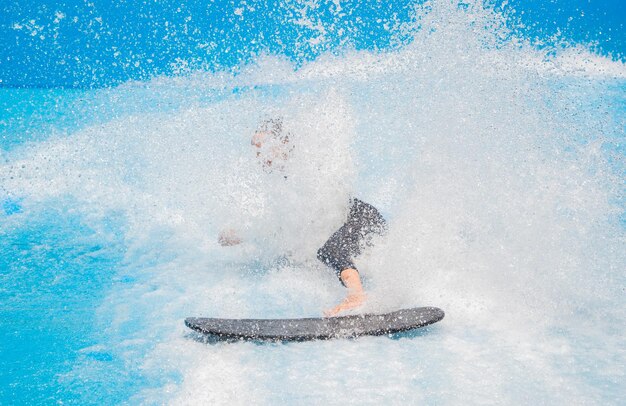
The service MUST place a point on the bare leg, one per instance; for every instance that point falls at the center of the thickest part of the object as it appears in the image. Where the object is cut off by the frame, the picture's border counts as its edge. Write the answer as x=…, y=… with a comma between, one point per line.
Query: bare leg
x=356, y=296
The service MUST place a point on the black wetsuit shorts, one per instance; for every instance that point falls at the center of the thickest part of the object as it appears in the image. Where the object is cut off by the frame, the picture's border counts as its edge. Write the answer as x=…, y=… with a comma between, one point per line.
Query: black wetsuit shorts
x=363, y=222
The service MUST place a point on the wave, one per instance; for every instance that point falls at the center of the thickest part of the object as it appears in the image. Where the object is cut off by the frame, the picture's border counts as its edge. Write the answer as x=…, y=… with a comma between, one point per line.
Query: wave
x=492, y=160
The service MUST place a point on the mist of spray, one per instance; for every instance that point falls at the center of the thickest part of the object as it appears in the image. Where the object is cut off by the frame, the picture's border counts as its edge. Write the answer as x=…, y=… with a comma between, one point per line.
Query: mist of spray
x=488, y=158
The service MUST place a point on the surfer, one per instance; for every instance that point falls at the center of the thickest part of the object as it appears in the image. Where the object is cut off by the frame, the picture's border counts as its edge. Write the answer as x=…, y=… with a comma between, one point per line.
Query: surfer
x=273, y=148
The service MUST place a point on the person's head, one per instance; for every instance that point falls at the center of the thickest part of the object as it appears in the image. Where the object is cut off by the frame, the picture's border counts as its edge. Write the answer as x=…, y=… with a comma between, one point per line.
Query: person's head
x=272, y=144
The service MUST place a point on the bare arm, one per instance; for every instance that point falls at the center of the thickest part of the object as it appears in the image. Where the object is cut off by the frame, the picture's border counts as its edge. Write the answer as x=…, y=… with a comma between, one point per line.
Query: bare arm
x=228, y=238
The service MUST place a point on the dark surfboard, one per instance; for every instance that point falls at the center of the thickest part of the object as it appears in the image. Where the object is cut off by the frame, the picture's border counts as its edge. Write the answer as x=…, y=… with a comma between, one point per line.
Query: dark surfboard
x=316, y=328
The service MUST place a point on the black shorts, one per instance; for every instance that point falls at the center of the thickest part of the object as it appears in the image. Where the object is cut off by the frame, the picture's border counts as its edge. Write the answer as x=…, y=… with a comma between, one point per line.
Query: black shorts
x=363, y=222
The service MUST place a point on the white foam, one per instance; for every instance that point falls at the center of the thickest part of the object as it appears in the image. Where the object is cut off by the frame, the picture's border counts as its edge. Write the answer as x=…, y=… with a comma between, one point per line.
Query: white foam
x=488, y=159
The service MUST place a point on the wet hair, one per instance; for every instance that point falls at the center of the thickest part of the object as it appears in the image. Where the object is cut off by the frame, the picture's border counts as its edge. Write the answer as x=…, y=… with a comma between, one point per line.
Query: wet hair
x=274, y=127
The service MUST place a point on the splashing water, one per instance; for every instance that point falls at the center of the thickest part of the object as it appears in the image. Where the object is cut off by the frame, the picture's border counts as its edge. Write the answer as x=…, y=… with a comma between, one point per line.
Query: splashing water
x=497, y=165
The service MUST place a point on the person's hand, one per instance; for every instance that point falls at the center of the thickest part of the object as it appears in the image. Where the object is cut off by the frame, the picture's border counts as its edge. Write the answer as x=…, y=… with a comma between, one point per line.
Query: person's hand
x=353, y=301
x=228, y=238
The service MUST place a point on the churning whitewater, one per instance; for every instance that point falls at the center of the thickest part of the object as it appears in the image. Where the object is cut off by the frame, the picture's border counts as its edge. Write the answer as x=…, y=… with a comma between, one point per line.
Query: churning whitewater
x=491, y=160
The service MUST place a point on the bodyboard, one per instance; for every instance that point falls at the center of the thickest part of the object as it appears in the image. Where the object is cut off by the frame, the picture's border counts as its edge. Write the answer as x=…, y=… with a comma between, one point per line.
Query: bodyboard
x=321, y=328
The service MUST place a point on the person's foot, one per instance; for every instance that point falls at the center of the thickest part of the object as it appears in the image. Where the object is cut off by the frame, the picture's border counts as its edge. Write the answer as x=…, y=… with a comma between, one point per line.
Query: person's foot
x=351, y=302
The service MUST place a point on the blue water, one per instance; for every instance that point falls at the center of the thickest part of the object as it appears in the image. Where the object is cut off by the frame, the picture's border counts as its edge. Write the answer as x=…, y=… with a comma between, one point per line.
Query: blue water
x=55, y=271
x=494, y=144
x=79, y=44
